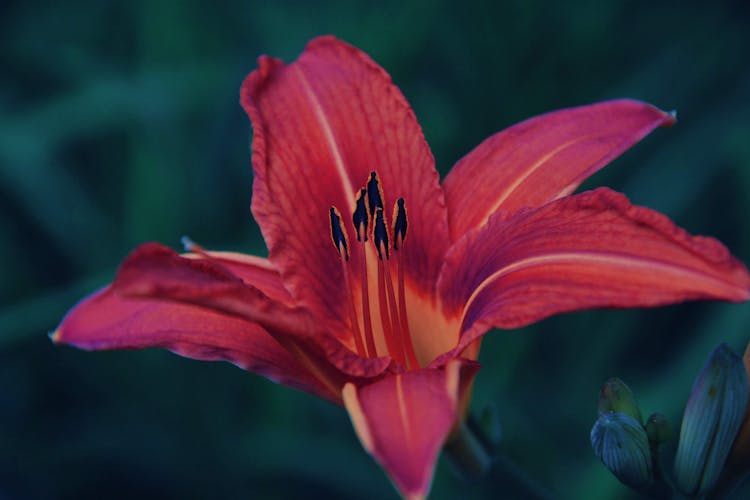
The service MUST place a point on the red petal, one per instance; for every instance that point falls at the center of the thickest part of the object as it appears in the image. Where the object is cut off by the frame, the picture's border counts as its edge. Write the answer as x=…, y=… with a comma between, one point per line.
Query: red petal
x=404, y=420
x=543, y=158
x=254, y=271
x=321, y=125
x=107, y=321
x=155, y=271
x=590, y=250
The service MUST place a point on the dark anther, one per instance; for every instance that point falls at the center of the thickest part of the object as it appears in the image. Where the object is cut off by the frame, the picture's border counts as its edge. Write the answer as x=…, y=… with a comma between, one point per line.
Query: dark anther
x=399, y=224
x=380, y=235
x=374, y=194
x=338, y=236
x=360, y=217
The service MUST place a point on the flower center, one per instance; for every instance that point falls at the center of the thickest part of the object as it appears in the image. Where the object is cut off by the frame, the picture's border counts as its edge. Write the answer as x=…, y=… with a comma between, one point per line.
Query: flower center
x=388, y=307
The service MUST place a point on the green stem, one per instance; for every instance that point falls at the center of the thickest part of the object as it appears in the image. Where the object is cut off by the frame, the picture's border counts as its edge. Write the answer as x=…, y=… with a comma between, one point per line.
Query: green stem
x=473, y=455
x=467, y=453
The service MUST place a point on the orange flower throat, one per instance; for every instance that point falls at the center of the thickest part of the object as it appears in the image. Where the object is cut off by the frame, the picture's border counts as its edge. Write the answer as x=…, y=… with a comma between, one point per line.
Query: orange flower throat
x=370, y=224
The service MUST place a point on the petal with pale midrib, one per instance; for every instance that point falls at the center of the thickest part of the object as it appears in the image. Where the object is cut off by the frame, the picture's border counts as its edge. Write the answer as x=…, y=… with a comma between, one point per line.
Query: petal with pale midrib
x=404, y=420
x=321, y=125
x=157, y=272
x=590, y=250
x=543, y=158
x=106, y=321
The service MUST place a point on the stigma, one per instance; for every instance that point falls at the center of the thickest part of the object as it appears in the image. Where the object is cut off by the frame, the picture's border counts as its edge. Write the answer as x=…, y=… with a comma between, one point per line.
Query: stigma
x=378, y=321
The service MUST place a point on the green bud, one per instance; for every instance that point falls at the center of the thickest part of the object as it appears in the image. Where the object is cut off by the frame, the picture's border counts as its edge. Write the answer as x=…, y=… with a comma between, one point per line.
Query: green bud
x=711, y=421
x=617, y=397
x=659, y=430
x=620, y=442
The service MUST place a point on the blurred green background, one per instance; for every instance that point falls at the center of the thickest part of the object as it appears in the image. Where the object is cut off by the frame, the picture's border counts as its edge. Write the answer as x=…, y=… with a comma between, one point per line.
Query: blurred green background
x=120, y=123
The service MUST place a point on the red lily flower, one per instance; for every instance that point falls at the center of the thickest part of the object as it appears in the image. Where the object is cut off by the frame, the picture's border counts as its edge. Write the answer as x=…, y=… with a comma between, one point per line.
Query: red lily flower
x=380, y=279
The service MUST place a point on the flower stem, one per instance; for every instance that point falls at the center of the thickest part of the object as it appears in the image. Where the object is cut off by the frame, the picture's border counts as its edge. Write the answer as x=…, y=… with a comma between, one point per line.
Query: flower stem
x=473, y=455
x=467, y=453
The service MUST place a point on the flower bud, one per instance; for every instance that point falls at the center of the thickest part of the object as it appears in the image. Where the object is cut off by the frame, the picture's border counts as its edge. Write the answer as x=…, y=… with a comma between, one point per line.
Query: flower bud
x=711, y=421
x=621, y=443
x=658, y=429
x=738, y=462
x=615, y=396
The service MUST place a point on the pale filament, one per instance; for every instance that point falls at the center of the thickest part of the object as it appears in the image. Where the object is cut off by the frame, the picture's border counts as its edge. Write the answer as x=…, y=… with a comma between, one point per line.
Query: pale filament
x=391, y=309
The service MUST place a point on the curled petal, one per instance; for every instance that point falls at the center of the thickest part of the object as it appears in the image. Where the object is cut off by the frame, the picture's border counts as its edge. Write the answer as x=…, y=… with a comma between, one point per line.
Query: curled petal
x=254, y=271
x=107, y=321
x=543, y=158
x=154, y=271
x=321, y=125
x=404, y=420
x=590, y=250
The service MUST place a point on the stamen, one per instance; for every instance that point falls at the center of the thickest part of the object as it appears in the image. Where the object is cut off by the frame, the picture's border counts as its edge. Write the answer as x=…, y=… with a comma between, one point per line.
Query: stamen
x=369, y=337
x=374, y=194
x=361, y=220
x=400, y=225
x=341, y=242
x=392, y=342
x=380, y=235
x=370, y=221
x=381, y=240
x=360, y=217
x=396, y=325
x=338, y=235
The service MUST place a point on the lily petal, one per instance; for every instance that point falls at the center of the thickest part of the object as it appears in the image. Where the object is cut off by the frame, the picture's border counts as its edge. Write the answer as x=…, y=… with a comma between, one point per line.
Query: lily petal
x=543, y=158
x=254, y=271
x=106, y=321
x=590, y=250
x=404, y=420
x=321, y=125
x=154, y=271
